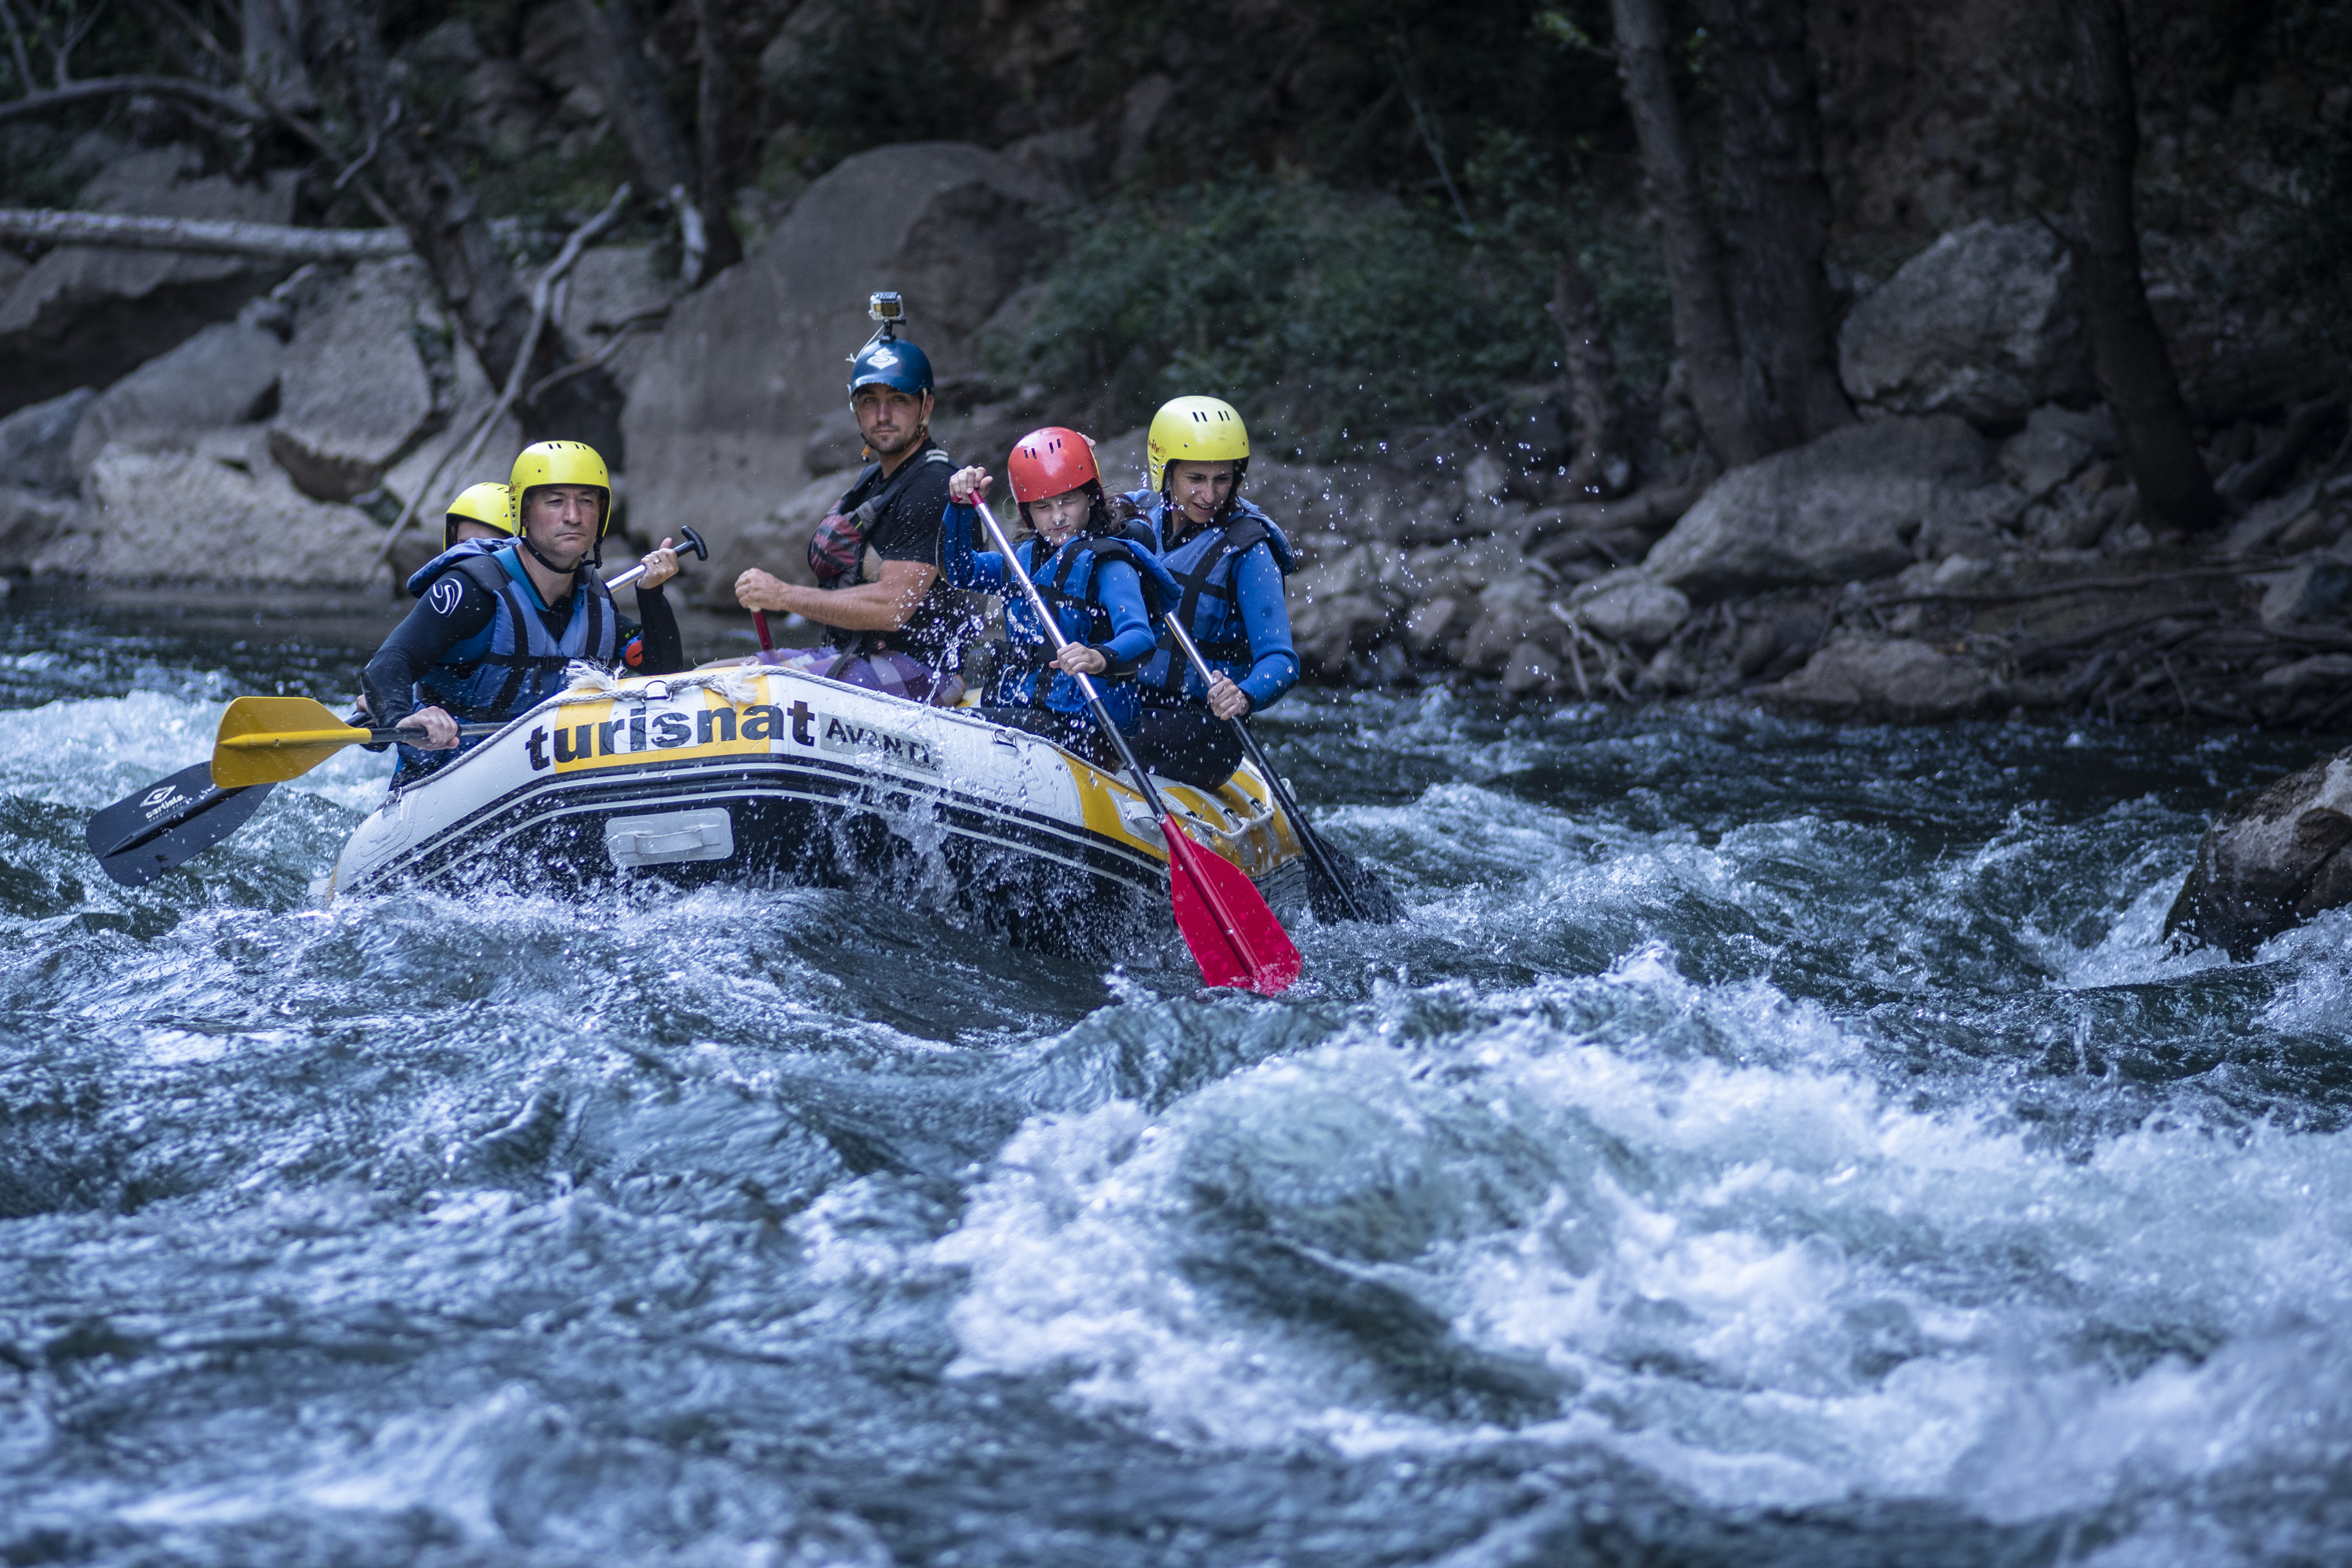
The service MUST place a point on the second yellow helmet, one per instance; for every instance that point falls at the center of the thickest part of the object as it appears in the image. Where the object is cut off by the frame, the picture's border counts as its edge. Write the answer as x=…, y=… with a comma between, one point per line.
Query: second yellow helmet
x=564, y=463
x=492, y=505
x=1205, y=429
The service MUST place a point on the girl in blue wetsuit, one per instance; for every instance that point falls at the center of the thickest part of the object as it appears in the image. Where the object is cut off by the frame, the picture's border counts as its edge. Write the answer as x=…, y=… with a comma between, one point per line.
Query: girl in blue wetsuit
x=1102, y=584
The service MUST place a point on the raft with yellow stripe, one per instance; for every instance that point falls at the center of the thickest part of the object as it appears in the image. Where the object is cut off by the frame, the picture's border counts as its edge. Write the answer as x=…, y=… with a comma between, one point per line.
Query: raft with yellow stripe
x=752, y=774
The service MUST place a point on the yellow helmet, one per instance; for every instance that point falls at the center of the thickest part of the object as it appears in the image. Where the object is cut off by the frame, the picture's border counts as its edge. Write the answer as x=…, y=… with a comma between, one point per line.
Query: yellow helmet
x=491, y=505
x=564, y=463
x=1205, y=429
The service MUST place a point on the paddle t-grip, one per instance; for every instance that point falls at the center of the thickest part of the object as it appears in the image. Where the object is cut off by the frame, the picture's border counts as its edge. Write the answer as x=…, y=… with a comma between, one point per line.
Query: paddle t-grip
x=693, y=542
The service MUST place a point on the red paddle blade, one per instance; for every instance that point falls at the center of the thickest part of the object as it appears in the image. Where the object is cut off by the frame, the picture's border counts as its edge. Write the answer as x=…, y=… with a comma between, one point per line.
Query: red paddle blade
x=1234, y=938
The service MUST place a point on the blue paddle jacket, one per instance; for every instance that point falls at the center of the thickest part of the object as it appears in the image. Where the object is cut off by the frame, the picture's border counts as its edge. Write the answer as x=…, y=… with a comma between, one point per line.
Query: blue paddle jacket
x=1228, y=579
x=1102, y=590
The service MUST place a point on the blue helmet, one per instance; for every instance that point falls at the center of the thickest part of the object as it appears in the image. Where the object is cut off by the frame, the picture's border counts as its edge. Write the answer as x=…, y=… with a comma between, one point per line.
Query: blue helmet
x=891, y=361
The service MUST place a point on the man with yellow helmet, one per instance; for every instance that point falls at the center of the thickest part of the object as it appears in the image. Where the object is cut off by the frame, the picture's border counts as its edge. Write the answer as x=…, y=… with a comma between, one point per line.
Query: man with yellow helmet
x=1229, y=561
x=495, y=631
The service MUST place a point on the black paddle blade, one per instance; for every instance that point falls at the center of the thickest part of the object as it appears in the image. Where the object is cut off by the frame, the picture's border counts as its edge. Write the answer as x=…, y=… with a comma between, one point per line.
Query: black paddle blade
x=1373, y=898
x=139, y=838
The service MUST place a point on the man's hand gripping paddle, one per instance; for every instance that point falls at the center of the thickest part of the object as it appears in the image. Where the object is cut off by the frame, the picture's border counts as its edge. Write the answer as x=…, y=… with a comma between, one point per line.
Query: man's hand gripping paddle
x=262, y=741
x=1222, y=916
x=1345, y=888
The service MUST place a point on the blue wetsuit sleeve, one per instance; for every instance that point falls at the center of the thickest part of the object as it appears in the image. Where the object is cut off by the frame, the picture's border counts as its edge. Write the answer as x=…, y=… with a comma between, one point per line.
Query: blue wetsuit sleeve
x=959, y=563
x=1119, y=588
x=1258, y=588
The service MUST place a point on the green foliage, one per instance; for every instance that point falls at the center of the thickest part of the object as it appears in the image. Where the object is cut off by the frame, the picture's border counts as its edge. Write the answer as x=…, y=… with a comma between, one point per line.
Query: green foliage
x=866, y=78
x=2313, y=218
x=1331, y=320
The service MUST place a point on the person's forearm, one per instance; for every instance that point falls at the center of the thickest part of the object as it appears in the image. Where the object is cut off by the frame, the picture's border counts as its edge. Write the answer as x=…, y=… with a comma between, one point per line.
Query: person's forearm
x=868, y=607
x=665, y=648
x=1269, y=677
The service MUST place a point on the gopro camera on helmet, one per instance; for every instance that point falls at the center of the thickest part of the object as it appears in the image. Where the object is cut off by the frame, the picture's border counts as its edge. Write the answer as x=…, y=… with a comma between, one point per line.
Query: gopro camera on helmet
x=887, y=358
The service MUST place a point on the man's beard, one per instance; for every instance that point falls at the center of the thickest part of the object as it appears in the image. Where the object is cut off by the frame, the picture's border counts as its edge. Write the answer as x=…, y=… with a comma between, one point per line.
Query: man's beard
x=905, y=437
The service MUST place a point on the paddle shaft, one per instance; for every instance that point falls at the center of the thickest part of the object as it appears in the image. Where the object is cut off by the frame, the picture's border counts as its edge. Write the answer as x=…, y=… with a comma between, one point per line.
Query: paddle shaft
x=1308, y=839
x=693, y=542
x=1094, y=699
x=350, y=735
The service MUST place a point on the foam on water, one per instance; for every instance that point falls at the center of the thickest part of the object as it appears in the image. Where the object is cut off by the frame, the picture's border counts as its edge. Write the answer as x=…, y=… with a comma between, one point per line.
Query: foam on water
x=1757, y=1140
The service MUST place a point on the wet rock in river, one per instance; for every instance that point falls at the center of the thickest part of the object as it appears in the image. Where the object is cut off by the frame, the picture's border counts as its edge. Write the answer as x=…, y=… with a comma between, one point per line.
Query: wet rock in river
x=2272, y=861
x=1985, y=324
x=1631, y=607
x=1900, y=679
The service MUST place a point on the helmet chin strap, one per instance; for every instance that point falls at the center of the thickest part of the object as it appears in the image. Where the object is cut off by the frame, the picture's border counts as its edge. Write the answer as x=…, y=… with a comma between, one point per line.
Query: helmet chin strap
x=543, y=561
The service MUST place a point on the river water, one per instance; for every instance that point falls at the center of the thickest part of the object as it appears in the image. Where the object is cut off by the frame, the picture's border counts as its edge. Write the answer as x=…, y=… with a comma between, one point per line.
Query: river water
x=1762, y=1143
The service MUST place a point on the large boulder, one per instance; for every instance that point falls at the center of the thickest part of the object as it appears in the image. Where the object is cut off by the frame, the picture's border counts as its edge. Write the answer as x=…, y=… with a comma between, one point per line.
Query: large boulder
x=2271, y=861
x=1842, y=508
x=1862, y=679
x=192, y=516
x=89, y=315
x=359, y=389
x=1985, y=324
x=36, y=444
x=220, y=378
x=720, y=414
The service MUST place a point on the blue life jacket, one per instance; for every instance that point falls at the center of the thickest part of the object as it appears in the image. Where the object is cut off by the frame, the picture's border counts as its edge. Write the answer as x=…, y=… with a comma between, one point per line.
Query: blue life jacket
x=1202, y=569
x=463, y=549
x=514, y=664
x=1070, y=582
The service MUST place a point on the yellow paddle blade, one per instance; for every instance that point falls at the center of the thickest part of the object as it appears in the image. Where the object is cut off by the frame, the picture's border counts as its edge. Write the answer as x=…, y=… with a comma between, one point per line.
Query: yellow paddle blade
x=269, y=740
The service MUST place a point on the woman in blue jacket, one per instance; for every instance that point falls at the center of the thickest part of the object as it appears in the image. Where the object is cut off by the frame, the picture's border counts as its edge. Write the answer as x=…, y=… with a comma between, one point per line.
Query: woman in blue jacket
x=1228, y=561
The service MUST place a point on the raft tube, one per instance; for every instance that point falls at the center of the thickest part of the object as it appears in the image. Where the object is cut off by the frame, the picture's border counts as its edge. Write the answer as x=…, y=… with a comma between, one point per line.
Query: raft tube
x=759, y=775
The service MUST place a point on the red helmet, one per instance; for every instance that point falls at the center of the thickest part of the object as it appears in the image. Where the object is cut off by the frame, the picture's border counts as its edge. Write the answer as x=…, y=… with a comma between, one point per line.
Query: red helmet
x=1050, y=461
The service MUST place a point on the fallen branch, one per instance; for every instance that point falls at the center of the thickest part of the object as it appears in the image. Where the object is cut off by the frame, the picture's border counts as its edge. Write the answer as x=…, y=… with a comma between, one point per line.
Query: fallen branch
x=542, y=297
x=275, y=242
x=181, y=87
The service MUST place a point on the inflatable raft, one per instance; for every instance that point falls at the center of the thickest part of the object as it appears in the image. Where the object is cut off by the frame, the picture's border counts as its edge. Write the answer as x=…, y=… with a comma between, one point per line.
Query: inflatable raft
x=756, y=775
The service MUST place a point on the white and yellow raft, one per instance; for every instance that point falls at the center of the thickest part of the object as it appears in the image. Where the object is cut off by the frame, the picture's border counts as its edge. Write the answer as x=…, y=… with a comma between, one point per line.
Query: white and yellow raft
x=752, y=774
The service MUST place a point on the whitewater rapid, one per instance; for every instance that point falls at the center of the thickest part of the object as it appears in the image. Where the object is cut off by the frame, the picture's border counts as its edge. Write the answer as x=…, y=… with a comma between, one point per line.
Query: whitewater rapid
x=1761, y=1143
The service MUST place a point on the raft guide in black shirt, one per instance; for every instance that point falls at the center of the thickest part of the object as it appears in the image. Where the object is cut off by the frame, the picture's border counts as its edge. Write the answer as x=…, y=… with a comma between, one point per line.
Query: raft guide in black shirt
x=909, y=530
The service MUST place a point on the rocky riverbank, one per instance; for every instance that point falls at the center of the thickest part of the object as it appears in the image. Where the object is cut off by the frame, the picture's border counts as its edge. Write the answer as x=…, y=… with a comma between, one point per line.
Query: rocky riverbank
x=1970, y=545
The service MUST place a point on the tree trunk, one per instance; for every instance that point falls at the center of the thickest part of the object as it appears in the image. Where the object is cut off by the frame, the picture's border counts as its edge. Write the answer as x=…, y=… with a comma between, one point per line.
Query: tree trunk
x=1703, y=332
x=452, y=237
x=1776, y=218
x=649, y=129
x=2135, y=368
x=1599, y=469
x=718, y=98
